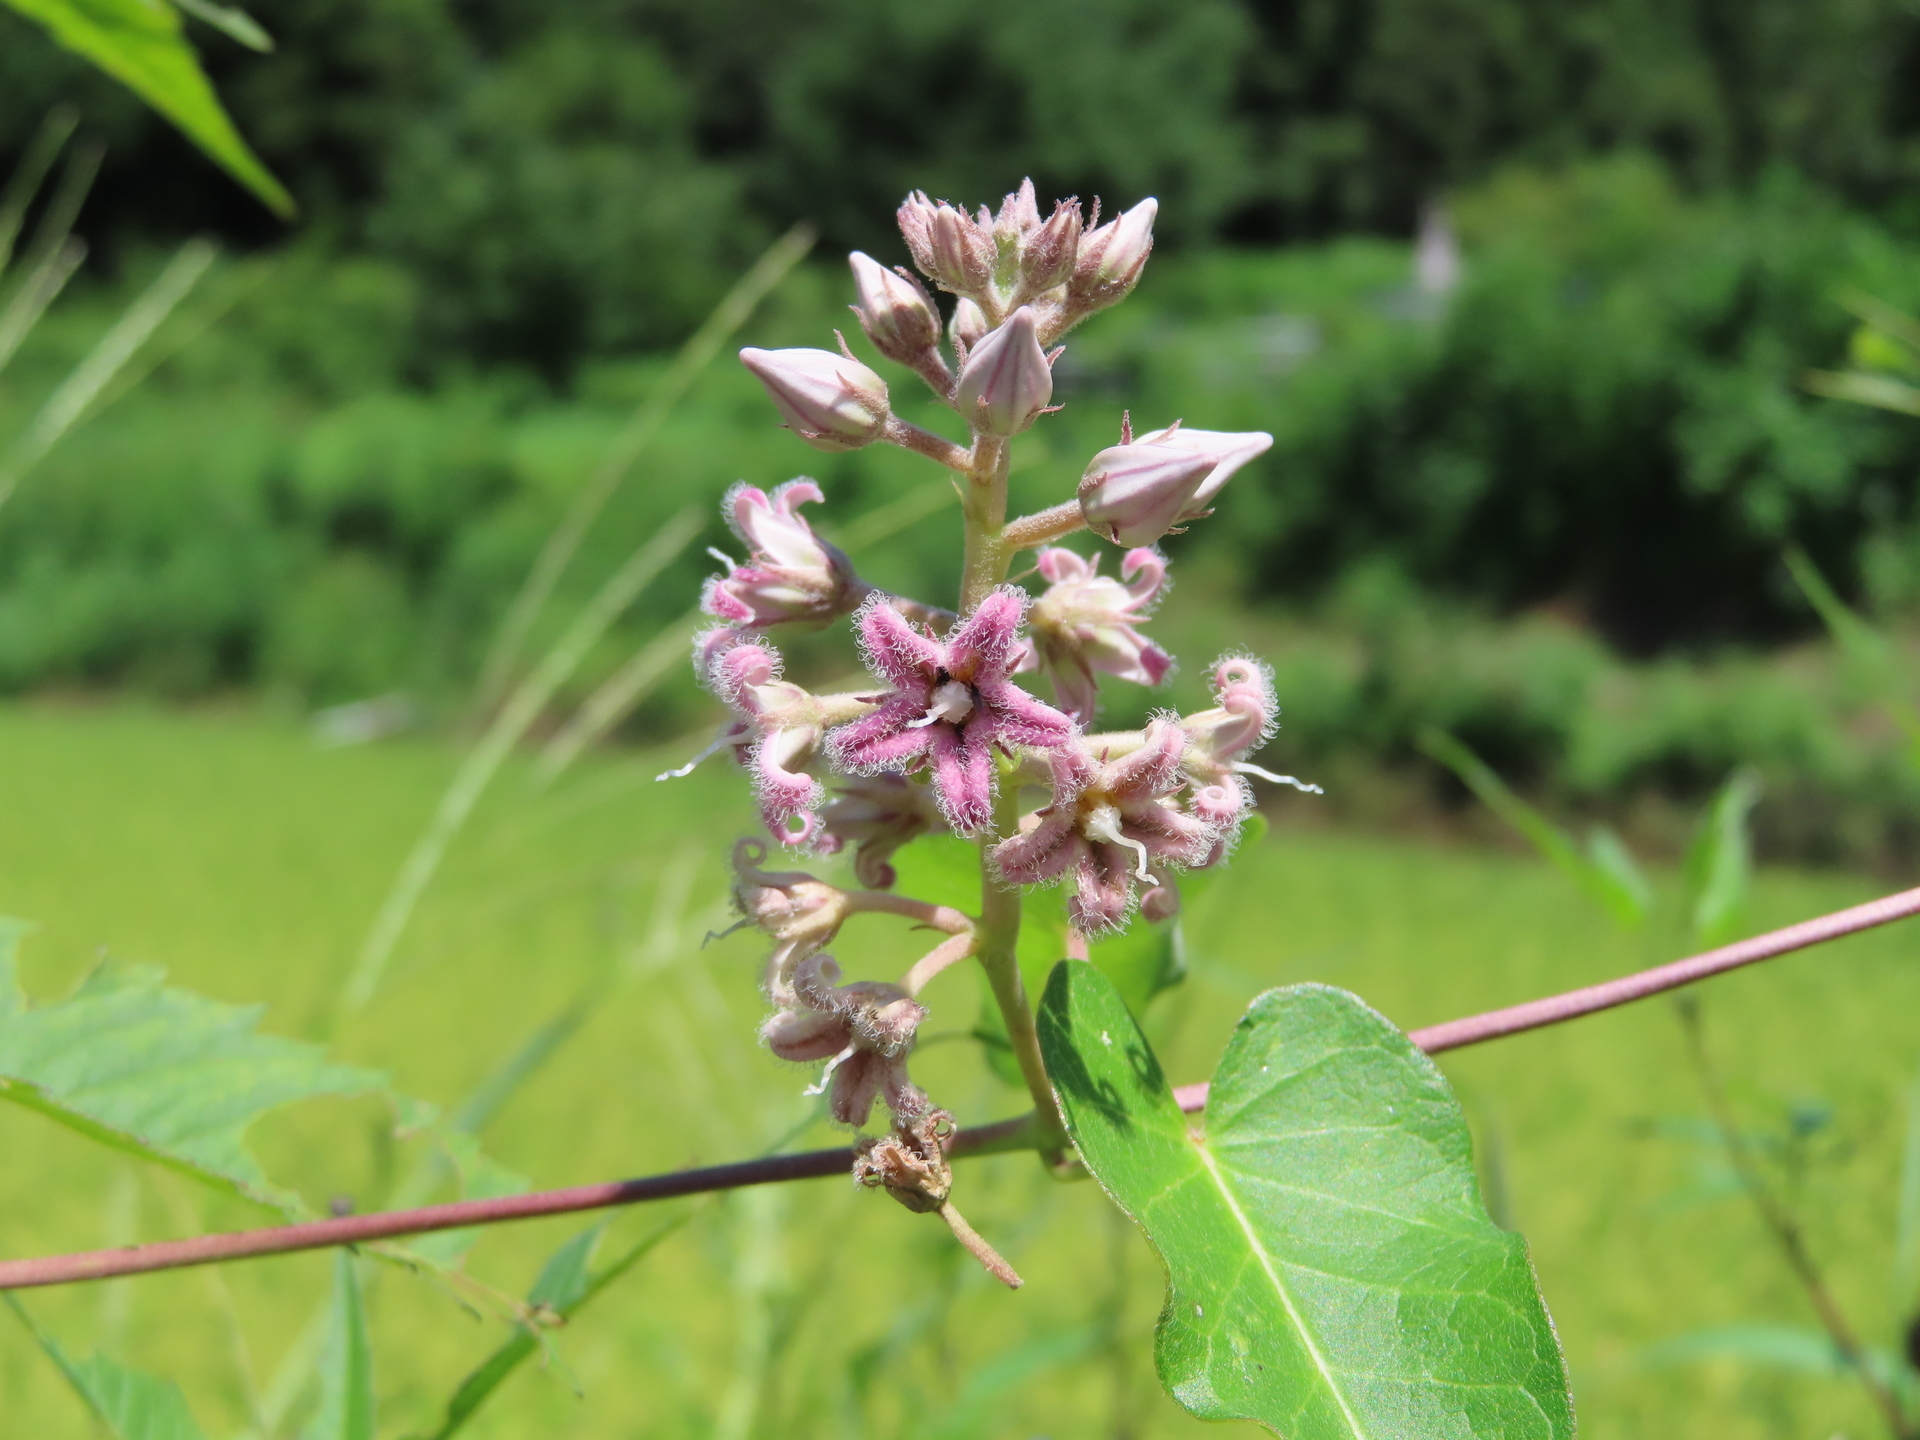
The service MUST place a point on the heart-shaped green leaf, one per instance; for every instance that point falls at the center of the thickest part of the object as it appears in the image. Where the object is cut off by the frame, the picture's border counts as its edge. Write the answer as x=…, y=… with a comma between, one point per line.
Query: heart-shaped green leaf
x=1331, y=1271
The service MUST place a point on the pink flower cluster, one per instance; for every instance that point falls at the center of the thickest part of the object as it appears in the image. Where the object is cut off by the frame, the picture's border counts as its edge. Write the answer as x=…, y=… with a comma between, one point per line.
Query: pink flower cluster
x=945, y=737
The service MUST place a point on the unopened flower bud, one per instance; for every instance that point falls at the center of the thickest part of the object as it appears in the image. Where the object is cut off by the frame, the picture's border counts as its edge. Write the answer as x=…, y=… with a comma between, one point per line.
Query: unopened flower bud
x=1050, y=251
x=1229, y=450
x=832, y=402
x=968, y=326
x=1019, y=214
x=895, y=311
x=1133, y=494
x=951, y=249
x=1162, y=902
x=1112, y=257
x=1006, y=380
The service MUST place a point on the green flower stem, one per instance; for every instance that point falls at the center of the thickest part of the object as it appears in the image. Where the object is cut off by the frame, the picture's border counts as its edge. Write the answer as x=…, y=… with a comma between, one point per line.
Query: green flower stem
x=995, y=941
x=997, y=936
x=985, y=506
x=1031, y=531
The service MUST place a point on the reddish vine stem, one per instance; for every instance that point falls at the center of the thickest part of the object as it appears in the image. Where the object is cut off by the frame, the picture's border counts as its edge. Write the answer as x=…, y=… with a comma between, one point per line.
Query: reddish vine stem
x=1013, y=1134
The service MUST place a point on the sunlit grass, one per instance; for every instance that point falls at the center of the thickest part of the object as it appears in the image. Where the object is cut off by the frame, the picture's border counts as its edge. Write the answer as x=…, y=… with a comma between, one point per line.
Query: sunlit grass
x=228, y=848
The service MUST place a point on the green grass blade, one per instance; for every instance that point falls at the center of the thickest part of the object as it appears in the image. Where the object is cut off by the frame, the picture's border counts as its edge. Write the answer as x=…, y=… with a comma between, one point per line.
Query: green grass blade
x=346, y=1409
x=67, y=405
x=1625, y=902
x=563, y=1288
x=483, y=761
x=159, y=1073
x=1332, y=1273
x=141, y=44
x=1719, y=864
x=620, y=694
x=37, y=290
x=1882, y=392
x=30, y=173
x=1906, y=1234
x=230, y=21
x=130, y=1404
x=558, y=552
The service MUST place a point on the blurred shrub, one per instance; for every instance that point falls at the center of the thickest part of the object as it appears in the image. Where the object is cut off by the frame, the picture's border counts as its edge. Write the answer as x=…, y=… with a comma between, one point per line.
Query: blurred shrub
x=1606, y=415
x=562, y=180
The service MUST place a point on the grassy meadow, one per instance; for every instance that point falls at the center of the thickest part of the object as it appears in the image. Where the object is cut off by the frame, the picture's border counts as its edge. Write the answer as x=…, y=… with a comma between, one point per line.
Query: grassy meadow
x=227, y=847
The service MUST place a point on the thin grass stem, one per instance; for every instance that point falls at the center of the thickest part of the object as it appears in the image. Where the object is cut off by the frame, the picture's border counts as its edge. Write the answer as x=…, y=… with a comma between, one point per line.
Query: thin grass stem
x=627, y=448
x=483, y=761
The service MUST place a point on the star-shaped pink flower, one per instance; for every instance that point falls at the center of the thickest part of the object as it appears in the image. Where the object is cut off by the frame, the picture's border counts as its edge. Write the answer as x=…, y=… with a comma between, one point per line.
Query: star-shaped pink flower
x=951, y=704
x=1109, y=821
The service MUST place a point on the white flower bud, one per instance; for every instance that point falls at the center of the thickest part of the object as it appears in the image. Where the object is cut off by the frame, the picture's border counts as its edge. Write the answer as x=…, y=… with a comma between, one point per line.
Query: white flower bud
x=1006, y=380
x=968, y=326
x=896, y=313
x=1229, y=450
x=1112, y=257
x=1134, y=494
x=832, y=402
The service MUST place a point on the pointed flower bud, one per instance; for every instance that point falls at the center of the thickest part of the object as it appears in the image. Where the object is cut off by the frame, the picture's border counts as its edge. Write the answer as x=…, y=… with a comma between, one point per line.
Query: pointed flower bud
x=832, y=402
x=1111, y=259
x=1087, y=622
x=791, y=575
x=1006, y=381
x=1019, y=214
x=1049, y=253
x=952, y=249
x=1135, y=493
x=895, y=311
x=1229, y=450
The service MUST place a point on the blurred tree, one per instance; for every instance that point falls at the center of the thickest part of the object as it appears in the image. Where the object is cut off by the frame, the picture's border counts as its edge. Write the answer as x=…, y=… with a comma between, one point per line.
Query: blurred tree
x=565, y=179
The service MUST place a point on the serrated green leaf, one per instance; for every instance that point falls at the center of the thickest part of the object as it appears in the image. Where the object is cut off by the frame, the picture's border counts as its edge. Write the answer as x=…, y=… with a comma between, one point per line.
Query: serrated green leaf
x=346, y=1363
x=131, y=1404
x=1332, y=1273
x=141, y=44
x=159, y=1073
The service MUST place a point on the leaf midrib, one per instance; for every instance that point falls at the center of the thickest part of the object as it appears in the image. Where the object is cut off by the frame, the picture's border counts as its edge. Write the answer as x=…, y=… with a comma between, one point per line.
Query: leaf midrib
x=1232, y=1202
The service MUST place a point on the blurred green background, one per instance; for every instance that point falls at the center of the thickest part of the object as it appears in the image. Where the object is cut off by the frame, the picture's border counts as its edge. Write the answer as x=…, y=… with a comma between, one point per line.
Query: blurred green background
x=1541, y=498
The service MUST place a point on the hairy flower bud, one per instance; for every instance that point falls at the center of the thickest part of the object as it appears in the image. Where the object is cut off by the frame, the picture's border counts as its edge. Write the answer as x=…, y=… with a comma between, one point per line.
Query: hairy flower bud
x=1229, y=450
x=1111, y=259
x=895, y=311
x=1135, y=493
x=833, y=402
x=1006, y=381
x=1049, y=252
x=799, y=913
x=968, y=326
x=791, y=575
x=951, y=249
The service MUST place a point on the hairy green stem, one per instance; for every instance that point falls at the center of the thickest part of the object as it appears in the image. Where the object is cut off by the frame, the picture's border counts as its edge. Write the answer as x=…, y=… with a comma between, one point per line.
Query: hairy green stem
x=996, y=941
x=1032, y=531
x=984, y=498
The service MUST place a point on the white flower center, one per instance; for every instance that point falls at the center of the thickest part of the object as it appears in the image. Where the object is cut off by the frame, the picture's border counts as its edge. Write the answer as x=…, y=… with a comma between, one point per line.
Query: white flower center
x=1102, y=823
x=951, y=702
